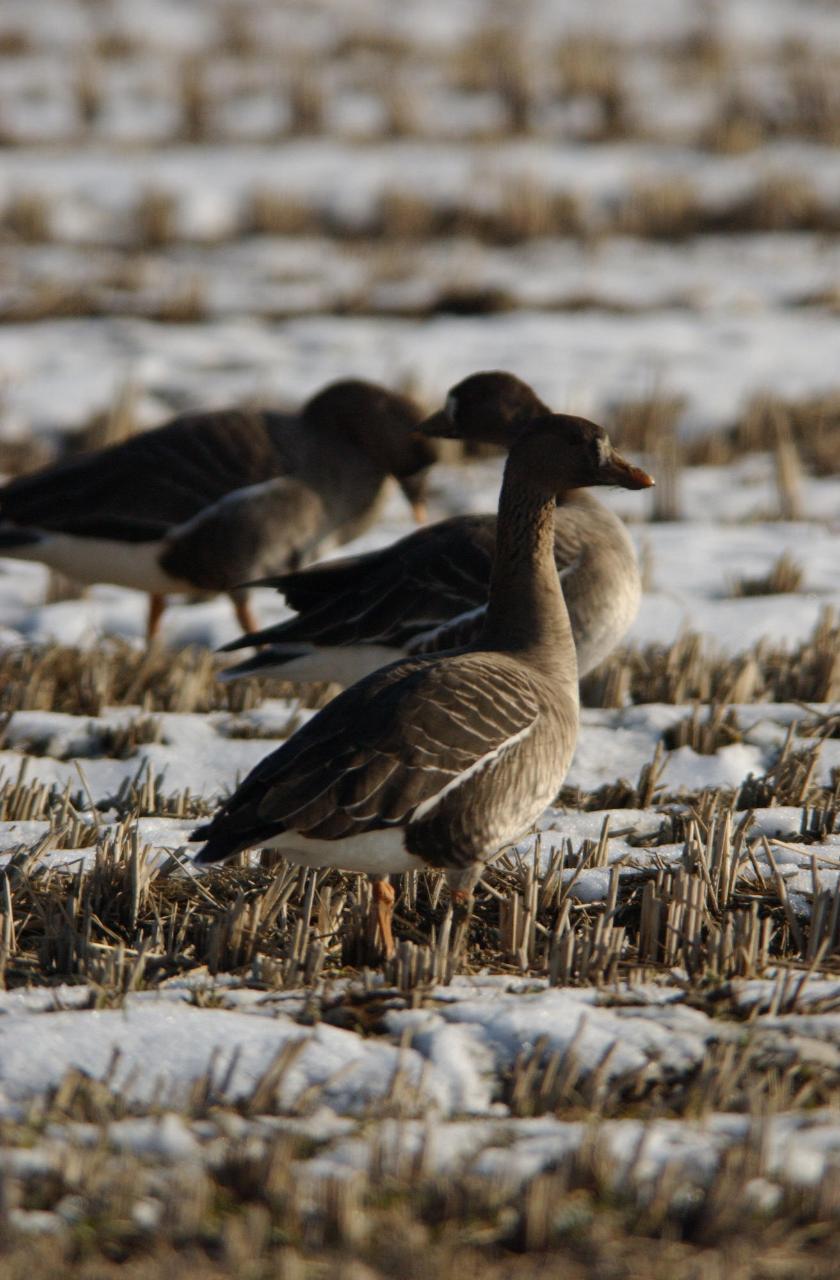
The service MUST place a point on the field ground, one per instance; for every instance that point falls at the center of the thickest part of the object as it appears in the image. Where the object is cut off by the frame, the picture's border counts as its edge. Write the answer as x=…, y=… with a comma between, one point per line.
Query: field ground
x=630, y=1066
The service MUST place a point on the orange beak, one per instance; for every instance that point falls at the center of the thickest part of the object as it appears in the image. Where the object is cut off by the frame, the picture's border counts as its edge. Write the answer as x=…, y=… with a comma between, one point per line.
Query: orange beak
x=617, y=470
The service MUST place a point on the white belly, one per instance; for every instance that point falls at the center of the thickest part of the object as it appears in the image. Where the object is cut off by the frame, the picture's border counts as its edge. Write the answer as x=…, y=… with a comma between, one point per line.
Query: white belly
x=126, y=564
x=374, y=853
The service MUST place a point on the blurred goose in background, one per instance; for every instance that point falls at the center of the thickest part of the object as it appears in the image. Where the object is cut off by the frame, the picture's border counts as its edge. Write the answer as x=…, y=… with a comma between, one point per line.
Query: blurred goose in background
x=212, y=500
x=443, y=760
x=428, y=591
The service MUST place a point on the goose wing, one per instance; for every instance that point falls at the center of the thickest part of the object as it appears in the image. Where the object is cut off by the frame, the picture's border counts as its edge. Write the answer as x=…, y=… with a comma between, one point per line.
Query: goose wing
x=139, y=488
x=248, y=532
x=386, y=596
x=383, y=751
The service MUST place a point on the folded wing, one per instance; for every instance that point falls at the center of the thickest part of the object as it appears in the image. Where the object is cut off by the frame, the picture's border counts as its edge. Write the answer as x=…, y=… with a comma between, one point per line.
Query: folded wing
x=395, y=743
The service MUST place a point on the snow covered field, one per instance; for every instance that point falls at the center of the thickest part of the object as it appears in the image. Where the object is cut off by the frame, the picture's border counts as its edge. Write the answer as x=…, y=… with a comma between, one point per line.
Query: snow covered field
x=203, y=204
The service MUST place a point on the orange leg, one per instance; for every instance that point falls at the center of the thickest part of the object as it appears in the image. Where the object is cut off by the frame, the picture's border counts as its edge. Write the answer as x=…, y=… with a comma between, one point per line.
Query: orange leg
x=245, y=615
x=461, y=885
x=157, y=604
x=384, y=896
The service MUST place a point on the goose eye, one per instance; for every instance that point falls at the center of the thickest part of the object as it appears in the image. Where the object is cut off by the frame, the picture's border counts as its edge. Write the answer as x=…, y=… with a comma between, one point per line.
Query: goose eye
x=451, y=407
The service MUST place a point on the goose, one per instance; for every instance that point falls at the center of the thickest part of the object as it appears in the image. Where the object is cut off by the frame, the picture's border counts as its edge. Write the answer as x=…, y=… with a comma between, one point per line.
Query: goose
x=213, y=499
x=442, y=760
x=428, y=591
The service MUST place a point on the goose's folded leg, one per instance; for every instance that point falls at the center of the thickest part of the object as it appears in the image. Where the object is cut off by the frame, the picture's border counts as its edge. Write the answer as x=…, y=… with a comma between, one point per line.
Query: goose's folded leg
x=244, y=610
x=384, y=897
x=462, y=882
x=157, y=605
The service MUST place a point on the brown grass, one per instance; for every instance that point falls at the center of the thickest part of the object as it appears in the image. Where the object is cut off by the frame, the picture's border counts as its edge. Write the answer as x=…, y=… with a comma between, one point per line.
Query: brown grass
x=700, y=54
x=19, y=456
x=506, y=212
x=27, y=217
x=306, y=102
x=815, y=101
x=641, y=425
x=237, y=34
x=155, y=218
x=248, y=1214
x=269, y=212
x=811, y=424
x=109, y=426
x=89, y=92
x=589, y=66
x=786, y=575
x=511, y=76
x=14, y=43
x=196, y=105
x=60, y=587
x=668, y=209
x=408, y=215
x=780, y=202
x=667, y=467
x=126, y=923
x=401, y=112
x=82, y=682
x=688, y=670
x=115, y=44
x=742, y=122
x=187, y=304
x=523, y=207
x=527, y=209
x=705, y=730
x=49, y=299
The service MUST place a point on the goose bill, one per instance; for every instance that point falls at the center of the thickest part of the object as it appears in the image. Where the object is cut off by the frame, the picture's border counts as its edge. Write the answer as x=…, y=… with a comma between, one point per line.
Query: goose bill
x=440, y=426
x=617, y=470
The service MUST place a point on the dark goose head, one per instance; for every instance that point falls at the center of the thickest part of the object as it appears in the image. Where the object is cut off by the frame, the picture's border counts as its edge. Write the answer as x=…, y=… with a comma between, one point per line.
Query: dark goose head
x=488, y=407
x=497, y=408
x=382, y=424
x=557, y=452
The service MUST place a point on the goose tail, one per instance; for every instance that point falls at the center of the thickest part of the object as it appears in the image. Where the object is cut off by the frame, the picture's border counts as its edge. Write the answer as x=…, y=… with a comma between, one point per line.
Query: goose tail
x=12, y=538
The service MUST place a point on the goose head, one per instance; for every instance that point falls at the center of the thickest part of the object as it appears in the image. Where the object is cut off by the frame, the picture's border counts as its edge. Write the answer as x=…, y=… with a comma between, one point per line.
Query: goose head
x=558, y=452
x=382, y=425
x=488, y=407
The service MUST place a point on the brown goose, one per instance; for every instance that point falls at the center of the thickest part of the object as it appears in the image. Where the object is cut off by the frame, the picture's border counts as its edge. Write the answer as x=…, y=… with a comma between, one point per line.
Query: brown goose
x=427, y=592
x=212, y=500
x=442, y=760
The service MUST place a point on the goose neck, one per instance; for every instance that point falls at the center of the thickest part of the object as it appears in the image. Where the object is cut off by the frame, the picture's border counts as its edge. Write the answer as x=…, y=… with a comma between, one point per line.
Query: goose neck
x=526, y=611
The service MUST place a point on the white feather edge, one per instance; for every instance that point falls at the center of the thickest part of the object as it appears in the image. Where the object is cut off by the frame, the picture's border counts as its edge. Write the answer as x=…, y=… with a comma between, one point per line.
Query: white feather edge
x=344, y=664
